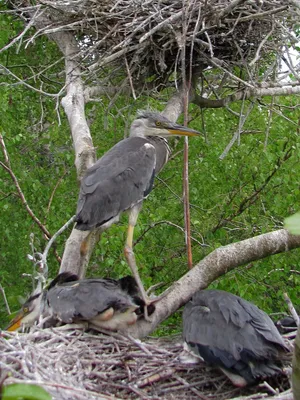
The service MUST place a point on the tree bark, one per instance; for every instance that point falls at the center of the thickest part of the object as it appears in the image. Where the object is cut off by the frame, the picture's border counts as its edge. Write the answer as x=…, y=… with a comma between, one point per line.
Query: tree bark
x=217, y=263
x=85, y=157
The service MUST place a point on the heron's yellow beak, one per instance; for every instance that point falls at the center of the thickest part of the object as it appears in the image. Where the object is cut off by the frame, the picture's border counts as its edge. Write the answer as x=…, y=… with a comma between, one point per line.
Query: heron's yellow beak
x=16, y=322
x=182, y=130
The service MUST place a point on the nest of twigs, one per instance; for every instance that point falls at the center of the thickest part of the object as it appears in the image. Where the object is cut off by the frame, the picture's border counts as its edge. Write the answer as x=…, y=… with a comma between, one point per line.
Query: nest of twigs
x=72, y=364
x=147, y=38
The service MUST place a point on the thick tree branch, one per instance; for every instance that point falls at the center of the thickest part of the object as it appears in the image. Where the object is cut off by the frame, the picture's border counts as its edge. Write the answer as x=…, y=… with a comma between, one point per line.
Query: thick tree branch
x=217, y=263
x=74, y=104
x=285, y=90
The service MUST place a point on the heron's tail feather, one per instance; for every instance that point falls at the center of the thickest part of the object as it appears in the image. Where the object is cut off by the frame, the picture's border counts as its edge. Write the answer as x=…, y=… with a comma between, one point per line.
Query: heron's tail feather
x=63, y=277
x=82, y=226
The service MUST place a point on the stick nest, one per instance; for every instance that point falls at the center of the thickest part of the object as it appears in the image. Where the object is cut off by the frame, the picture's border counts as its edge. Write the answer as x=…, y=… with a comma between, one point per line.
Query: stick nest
x=72, y=364
x=147, y=40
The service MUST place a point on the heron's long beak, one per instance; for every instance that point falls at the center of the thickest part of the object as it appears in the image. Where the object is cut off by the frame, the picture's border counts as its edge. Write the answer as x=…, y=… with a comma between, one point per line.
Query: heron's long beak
x=182, y=130
x=16, y=322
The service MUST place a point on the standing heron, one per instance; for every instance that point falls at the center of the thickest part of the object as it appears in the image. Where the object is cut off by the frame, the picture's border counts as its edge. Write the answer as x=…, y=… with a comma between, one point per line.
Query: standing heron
x=102, y=303
x=121, y=179
x=232, y=334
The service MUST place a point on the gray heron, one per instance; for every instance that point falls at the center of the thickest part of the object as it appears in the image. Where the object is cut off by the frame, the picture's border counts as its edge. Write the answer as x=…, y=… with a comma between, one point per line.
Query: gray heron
x=123, y=177
x=102, y=303
x=233, y=334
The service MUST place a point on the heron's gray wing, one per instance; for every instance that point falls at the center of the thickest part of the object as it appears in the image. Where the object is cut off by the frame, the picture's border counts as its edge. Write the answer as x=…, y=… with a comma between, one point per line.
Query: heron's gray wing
x=228, y=323
x=117, y=181
x=262, y=323
x=86, y=299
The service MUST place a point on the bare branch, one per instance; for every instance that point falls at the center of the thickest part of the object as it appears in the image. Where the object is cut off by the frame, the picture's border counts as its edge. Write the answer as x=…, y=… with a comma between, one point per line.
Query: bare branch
x=5, y=299
x=22, y=34
x=291, y=309
x=284, y=90
x=7, y=167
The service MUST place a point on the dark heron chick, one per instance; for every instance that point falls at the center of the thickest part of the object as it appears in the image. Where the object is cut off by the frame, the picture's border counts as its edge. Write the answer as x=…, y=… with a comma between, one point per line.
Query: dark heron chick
x=121, y=179
x=103, y=303
x=229, y=332
x=286, y=324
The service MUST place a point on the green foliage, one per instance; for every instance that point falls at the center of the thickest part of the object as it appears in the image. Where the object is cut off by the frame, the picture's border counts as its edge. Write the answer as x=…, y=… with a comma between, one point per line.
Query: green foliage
x=23, y=391
x=41, y=157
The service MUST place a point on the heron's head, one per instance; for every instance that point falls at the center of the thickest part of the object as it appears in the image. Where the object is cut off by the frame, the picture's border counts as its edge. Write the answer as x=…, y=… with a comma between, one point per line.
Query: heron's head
x=150, y=123
x=29, y=313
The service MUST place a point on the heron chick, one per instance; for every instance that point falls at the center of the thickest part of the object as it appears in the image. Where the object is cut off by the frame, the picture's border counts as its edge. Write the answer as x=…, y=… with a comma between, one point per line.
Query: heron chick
x=233, y=334
x=102, y=303
x=123, y=177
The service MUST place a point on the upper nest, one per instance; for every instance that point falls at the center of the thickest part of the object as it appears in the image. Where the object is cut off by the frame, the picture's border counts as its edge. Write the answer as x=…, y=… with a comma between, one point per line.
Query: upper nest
x=76, y=365
x=148, y=38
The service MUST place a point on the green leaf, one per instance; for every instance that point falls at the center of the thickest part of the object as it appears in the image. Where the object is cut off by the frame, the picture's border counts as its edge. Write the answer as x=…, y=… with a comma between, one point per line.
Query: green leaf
x=23, y=391
x=292, y=224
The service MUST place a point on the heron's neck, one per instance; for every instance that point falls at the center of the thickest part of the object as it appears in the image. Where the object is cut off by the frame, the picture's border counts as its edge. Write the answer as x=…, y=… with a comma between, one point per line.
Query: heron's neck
x=162, y=149
x=137, y=133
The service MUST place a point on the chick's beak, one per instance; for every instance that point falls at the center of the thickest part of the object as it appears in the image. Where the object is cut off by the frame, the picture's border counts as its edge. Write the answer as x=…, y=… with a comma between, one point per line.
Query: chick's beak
x=16, y=322
x=181, y=130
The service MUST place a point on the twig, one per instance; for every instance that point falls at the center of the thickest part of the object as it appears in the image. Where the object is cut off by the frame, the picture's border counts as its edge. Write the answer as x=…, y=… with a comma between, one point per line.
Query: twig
x=155, y=378
x=236, y=135
x=260, y=47
x=186, y=197
x=7, y=167
x=5, y=299
x=26, y=84
x=154, y=224
x=269, y=387
x=53, y=192
x=130, y=79
x=291, y=308
x=29, y=25
x=43, y=262
x=171, y=19
x=138, y=343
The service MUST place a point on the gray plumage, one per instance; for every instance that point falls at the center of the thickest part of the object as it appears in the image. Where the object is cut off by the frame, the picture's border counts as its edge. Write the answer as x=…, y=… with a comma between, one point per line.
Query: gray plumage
x=85, y=299
x=116, y=182
x=232, y=333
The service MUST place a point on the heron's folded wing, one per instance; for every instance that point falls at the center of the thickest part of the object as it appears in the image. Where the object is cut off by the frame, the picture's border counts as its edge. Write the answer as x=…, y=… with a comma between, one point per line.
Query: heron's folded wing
x=223, y=321
x=120, y=179
x=85, y=300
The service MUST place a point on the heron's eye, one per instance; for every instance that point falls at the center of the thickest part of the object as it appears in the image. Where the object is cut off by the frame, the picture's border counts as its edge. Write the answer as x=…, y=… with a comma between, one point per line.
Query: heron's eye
x=158, y=123
x=26, y=310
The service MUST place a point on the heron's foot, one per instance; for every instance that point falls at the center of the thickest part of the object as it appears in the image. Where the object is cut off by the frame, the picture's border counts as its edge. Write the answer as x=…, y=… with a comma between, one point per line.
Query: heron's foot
x=149, y=303
x=153, y=288
x=155, y=299
x=129, y=254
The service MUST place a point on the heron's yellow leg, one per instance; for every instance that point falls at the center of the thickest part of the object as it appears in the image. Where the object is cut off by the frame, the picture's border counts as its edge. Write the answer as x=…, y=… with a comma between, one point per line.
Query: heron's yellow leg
x=129, y=240
x=129, y=254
